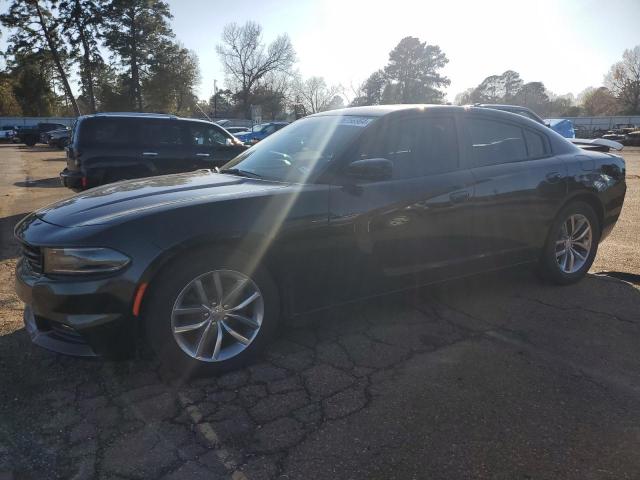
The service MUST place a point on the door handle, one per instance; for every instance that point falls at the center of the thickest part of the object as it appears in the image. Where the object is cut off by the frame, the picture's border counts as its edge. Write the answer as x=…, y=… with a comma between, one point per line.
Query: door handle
x=149, y=154
x=460, y=196
x=205, y=155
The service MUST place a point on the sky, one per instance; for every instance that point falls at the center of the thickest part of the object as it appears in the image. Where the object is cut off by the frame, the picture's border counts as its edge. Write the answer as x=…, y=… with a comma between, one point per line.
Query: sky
x=569, y=45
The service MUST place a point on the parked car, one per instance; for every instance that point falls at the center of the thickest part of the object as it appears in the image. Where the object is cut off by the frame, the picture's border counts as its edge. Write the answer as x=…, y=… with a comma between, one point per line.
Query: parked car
x=260, y=132
x=30, y=135
x=105, y=147
x=235, y=130
x=632, y=139
x=339, y=206
x=58, y=138
x=7, y=133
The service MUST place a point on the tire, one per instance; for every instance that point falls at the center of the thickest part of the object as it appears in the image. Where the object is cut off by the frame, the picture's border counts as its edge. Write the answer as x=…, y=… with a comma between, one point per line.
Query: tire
x=555, y=266
x=175, y=288
x=30, y=141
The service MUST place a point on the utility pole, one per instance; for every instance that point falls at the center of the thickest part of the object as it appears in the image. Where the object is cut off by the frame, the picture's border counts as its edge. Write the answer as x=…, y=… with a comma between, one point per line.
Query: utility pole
x=215, y=99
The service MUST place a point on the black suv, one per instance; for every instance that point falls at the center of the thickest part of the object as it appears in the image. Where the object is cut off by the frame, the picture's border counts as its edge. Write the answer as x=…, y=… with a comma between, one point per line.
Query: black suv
x=30, y=135
x=107, y=147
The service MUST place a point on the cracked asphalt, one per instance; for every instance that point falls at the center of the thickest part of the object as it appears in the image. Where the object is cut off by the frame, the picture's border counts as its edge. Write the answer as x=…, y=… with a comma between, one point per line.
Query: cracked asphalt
x=496, y=376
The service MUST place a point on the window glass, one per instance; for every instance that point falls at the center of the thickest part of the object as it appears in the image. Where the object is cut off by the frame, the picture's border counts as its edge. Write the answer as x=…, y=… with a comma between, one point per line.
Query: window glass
x=161, y=133
x=111, y=131
x=416, y=146
x=207, y=135
x=535, y=144
x=495, y=142
x=304, y=149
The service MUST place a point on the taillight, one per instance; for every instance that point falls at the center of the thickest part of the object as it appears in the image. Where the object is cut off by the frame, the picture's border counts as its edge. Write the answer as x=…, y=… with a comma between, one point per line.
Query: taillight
x=84, y=182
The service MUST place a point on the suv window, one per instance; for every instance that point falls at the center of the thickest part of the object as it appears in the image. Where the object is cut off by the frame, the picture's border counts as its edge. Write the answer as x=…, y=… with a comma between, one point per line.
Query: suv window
x=206, y=135
x=107, y=131
x=494, y=142
x=161, y=133
x=417, y=146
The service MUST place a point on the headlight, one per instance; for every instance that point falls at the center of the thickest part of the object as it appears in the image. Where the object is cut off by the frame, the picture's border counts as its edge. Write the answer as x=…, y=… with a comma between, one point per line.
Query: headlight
x=83, y=260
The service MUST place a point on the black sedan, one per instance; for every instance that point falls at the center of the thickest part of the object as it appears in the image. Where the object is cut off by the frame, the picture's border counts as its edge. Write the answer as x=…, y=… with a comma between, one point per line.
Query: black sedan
x=336, y=207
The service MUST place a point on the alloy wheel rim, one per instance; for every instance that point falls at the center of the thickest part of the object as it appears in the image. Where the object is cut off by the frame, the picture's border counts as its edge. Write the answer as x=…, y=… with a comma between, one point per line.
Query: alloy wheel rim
x=573, y=245
x=217, y=315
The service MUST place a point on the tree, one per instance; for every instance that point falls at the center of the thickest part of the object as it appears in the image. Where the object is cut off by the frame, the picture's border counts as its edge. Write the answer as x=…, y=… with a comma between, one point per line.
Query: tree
x=370, y=92
x=623, y=80
x=31, y=74
x=136, y=30
x=533, y=95
x=599, y=101
x=172, y=78
x=36, y=29
x=9, y=105
x=502, y=88
x=81, y=24
x=246, y=59
x=413, y=72
x=315, y=96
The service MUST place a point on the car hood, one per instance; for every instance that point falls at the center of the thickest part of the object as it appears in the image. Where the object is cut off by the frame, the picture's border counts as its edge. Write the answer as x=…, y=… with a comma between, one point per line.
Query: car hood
x=122, y=200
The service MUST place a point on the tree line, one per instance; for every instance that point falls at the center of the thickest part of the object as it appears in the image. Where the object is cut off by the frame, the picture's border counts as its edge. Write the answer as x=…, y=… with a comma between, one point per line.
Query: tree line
x=619, y=95
x=124, y=51
x=123, y=56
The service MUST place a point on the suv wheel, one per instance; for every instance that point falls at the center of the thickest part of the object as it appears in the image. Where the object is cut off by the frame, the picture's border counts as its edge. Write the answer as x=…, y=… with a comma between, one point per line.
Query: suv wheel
x=572, y=244
x=211, y=316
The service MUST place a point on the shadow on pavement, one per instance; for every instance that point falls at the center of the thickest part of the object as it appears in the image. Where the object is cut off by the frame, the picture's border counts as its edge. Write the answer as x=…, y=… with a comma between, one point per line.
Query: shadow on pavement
x=53, y=182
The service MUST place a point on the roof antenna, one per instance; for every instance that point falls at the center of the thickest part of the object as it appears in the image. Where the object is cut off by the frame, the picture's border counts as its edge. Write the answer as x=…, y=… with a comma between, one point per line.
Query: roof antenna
x=202, y=111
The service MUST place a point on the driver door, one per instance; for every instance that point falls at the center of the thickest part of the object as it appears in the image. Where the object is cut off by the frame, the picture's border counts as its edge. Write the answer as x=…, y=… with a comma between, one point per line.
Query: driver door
x=411, y=228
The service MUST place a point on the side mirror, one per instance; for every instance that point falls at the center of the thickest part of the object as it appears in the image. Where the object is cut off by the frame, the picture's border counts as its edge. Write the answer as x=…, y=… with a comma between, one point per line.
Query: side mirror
x=370, y=169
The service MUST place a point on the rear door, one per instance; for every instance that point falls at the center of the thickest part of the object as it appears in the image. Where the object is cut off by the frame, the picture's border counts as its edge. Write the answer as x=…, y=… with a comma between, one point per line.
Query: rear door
x=518, y=185
x=163, y=146
x=209, y=145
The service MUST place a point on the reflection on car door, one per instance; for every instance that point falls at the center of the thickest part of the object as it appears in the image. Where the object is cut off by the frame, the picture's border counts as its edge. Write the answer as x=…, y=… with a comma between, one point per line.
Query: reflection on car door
x=410, y=229
x=209, y=146
x=518, y=185
x=163, y=146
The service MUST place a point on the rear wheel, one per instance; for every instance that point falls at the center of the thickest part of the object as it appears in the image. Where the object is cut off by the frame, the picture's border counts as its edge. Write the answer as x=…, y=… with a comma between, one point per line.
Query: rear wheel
x=572, y=244
x=210, y=315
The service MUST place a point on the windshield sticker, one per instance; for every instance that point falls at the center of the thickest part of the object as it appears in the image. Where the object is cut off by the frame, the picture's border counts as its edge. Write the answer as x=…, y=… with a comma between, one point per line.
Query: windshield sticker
x=355, y=121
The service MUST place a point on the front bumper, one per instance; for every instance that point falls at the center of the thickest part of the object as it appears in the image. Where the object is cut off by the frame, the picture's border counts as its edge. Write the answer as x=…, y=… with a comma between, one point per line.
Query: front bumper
x=81, y=318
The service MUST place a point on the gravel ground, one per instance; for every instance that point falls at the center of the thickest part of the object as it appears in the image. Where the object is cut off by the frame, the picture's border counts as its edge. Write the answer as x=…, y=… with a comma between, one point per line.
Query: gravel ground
x=497, y=376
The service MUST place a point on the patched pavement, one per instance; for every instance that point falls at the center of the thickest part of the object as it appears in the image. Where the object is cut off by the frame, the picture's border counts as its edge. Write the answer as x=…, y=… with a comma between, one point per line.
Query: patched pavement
x=499, y=376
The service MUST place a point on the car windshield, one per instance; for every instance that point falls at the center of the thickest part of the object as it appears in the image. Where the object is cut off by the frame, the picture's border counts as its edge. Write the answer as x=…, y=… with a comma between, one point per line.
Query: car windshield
x=295, y=153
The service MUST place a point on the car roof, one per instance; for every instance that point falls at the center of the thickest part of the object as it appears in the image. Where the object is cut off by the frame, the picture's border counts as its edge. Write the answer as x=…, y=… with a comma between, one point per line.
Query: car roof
x=157, y=116
x=381, y=110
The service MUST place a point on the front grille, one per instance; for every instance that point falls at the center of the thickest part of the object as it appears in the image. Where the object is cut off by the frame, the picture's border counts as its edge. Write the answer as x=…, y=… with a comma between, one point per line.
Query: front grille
x=33, y=258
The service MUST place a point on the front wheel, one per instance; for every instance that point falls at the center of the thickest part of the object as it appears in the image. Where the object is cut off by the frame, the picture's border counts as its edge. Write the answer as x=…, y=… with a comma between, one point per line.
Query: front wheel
x=572, y=244
x=211, y=315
